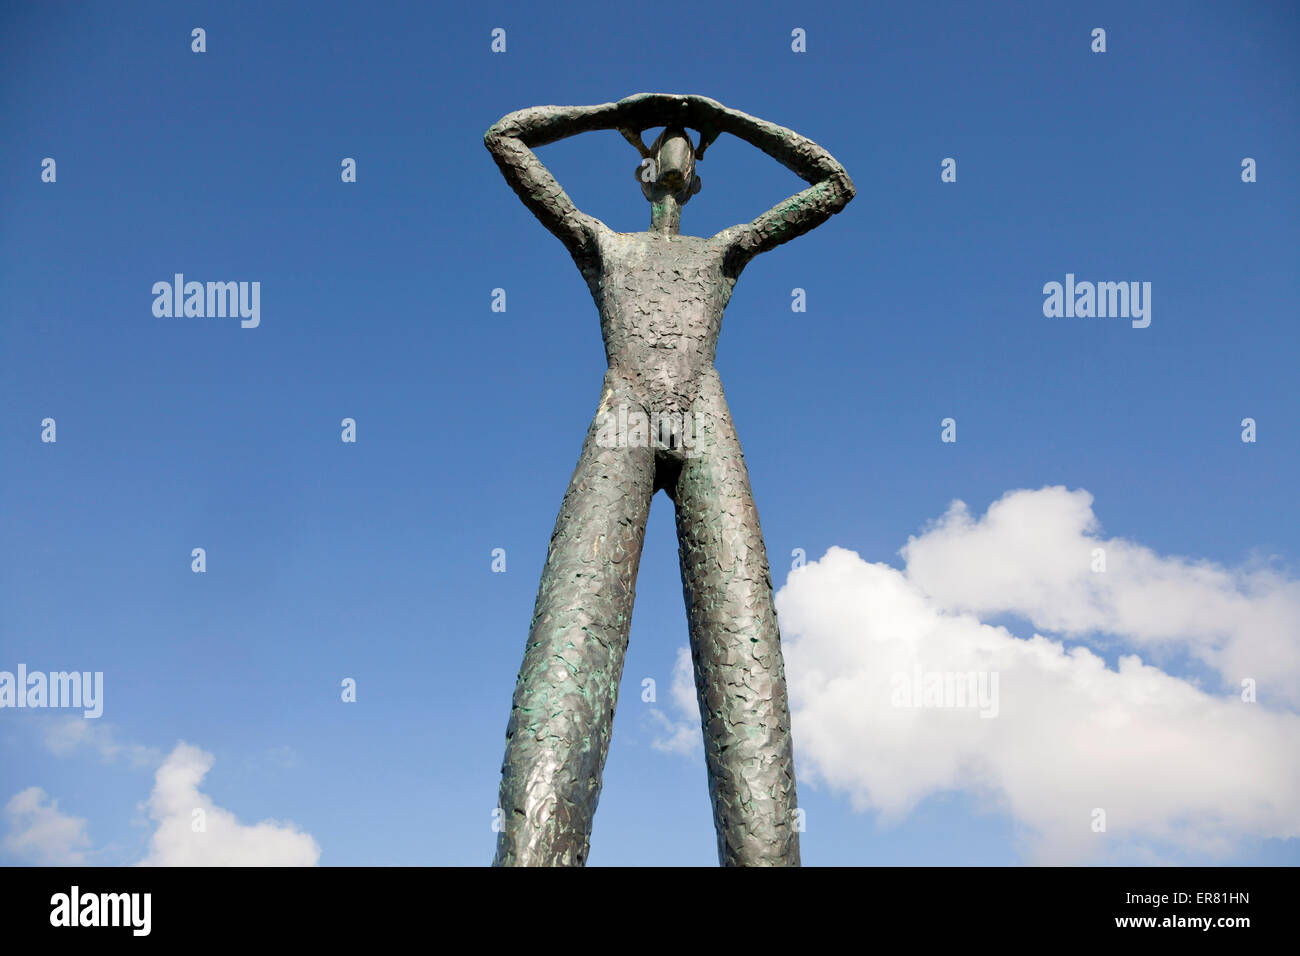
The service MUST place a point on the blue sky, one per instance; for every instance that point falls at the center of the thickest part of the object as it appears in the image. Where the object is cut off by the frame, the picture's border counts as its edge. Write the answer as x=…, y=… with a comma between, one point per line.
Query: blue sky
x=372, y=560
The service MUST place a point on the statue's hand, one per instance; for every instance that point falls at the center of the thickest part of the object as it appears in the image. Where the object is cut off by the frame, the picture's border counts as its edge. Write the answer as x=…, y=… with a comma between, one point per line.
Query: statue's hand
x=644, y=110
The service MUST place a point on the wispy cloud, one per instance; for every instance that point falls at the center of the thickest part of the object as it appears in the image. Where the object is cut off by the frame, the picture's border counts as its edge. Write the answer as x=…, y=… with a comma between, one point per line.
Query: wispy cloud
x=681, y=732
x=65, y=736
x=40, y=833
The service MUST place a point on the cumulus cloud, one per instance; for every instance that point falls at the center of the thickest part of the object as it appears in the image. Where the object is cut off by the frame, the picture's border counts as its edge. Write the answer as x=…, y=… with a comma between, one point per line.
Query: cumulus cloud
x=1171, y=766
x=223, y=841
x=1034, y=554
x=40, y=833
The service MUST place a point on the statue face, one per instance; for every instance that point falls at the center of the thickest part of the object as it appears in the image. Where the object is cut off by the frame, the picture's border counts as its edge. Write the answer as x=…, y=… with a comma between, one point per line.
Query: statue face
x=675, y=159
x=672, y=162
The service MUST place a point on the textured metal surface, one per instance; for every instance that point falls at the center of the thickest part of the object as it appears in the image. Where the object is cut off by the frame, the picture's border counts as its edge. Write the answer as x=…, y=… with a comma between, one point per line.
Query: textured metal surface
x=661, y=296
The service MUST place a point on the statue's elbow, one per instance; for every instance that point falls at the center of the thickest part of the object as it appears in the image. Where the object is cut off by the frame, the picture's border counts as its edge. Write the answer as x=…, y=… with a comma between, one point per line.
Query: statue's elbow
x=844, y=189
x=499, y=132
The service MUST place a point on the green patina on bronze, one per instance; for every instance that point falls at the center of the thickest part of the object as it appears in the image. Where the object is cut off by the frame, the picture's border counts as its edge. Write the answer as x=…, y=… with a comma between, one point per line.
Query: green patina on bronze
x=661, y=296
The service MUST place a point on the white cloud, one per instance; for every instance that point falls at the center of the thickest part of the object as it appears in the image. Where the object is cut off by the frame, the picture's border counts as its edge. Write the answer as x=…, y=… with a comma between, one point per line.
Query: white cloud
x=67, y=735
x=1172, y=766
x=682, y=735
x=40, y=833
x=1032, y=554
x=225, y=841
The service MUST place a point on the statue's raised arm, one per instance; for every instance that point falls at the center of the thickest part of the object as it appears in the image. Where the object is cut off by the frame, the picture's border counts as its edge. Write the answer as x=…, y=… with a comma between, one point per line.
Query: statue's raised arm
x=510, y=141
x=512, y=138
x=829, y=191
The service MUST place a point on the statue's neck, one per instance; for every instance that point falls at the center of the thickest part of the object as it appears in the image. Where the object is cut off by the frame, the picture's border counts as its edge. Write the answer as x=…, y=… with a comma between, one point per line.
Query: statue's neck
x=666, y=216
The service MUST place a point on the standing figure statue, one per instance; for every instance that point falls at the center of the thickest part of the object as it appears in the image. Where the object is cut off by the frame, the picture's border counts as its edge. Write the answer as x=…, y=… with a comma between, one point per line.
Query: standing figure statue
x=661, y=296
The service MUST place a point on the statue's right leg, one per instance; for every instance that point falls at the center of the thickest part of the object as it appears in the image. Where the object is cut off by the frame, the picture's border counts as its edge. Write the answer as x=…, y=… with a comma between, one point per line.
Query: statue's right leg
x=563, y=708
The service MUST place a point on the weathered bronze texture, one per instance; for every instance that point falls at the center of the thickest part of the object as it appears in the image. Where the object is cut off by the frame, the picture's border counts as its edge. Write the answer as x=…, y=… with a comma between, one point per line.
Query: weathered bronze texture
x=661, y=296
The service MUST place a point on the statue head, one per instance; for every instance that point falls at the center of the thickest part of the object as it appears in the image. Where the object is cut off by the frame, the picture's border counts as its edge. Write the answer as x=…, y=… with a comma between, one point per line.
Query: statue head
x=668, y=167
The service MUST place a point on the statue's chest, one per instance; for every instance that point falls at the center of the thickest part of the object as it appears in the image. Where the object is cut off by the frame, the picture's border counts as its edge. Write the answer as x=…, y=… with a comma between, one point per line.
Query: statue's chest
x=661, y=277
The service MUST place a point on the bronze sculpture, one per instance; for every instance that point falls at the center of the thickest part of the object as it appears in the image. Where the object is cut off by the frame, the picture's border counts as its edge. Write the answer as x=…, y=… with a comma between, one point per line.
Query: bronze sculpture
x=661, y=297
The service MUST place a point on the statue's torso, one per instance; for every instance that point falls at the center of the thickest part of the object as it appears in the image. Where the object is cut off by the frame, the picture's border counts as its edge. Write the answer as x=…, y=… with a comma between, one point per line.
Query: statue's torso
x=661, y=299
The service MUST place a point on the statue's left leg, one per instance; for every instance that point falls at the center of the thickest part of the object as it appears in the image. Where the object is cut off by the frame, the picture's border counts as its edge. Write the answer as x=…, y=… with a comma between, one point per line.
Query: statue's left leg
x=735, y=645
